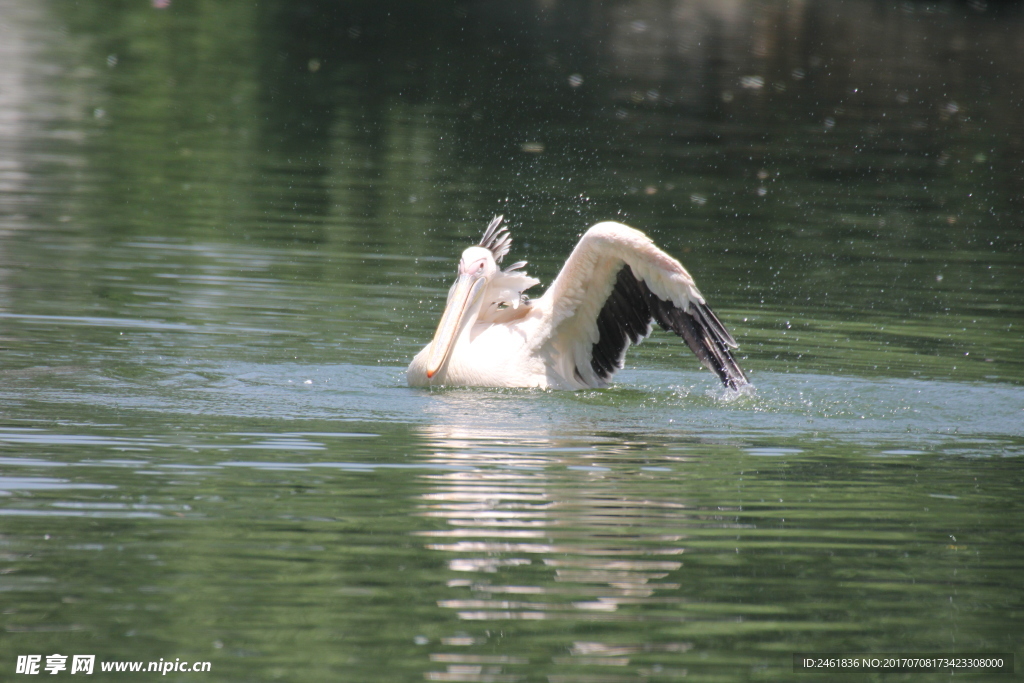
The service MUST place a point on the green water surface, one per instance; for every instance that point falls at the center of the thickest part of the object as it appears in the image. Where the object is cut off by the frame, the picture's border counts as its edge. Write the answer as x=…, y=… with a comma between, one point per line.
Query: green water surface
x=226, y=227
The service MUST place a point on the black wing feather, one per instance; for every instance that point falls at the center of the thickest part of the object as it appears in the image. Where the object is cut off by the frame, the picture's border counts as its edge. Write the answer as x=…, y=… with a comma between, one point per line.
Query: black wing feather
x=626, y=319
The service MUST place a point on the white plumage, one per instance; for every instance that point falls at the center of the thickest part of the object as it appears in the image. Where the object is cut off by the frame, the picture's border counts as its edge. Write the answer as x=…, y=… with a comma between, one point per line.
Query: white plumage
x=615, y=285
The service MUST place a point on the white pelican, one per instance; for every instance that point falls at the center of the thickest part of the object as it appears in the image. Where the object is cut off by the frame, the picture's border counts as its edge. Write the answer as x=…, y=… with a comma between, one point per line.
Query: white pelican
x=615, y=284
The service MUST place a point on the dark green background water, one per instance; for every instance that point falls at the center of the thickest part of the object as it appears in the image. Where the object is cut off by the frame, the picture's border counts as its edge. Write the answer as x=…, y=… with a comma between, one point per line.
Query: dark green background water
x=226, y=227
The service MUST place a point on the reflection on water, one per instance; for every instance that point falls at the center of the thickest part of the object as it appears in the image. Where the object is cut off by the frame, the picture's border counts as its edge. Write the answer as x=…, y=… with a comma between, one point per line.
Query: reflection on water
x=526, y=545
x=577, y=532
x=225, y=228
x=512, y=518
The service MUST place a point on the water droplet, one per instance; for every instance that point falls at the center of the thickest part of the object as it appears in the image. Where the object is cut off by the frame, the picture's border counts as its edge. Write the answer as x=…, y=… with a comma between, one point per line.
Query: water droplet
x=752, y=82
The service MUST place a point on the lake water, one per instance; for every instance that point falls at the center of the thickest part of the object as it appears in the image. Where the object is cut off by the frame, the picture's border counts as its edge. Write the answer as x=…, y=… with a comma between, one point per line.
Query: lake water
x=225, y=229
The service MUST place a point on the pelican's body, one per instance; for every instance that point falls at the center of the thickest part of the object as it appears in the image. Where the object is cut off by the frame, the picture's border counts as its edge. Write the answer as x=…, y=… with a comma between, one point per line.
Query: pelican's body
x=614, y=285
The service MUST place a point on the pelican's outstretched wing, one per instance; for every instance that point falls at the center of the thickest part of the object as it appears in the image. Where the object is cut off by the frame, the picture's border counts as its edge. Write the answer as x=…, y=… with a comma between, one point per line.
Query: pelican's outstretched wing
x=615, y=284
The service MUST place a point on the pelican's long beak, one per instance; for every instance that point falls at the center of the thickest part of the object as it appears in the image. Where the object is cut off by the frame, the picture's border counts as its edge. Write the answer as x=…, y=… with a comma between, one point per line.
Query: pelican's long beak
x=464, y=294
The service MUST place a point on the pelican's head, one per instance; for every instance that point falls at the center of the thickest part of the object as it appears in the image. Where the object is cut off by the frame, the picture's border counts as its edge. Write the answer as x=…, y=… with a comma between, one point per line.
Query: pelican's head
x=477, y=268
x=477, y=262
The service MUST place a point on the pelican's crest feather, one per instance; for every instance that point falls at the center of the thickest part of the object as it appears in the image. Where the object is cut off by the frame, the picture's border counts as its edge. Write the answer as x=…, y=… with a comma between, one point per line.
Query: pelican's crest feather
x=497, y=239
